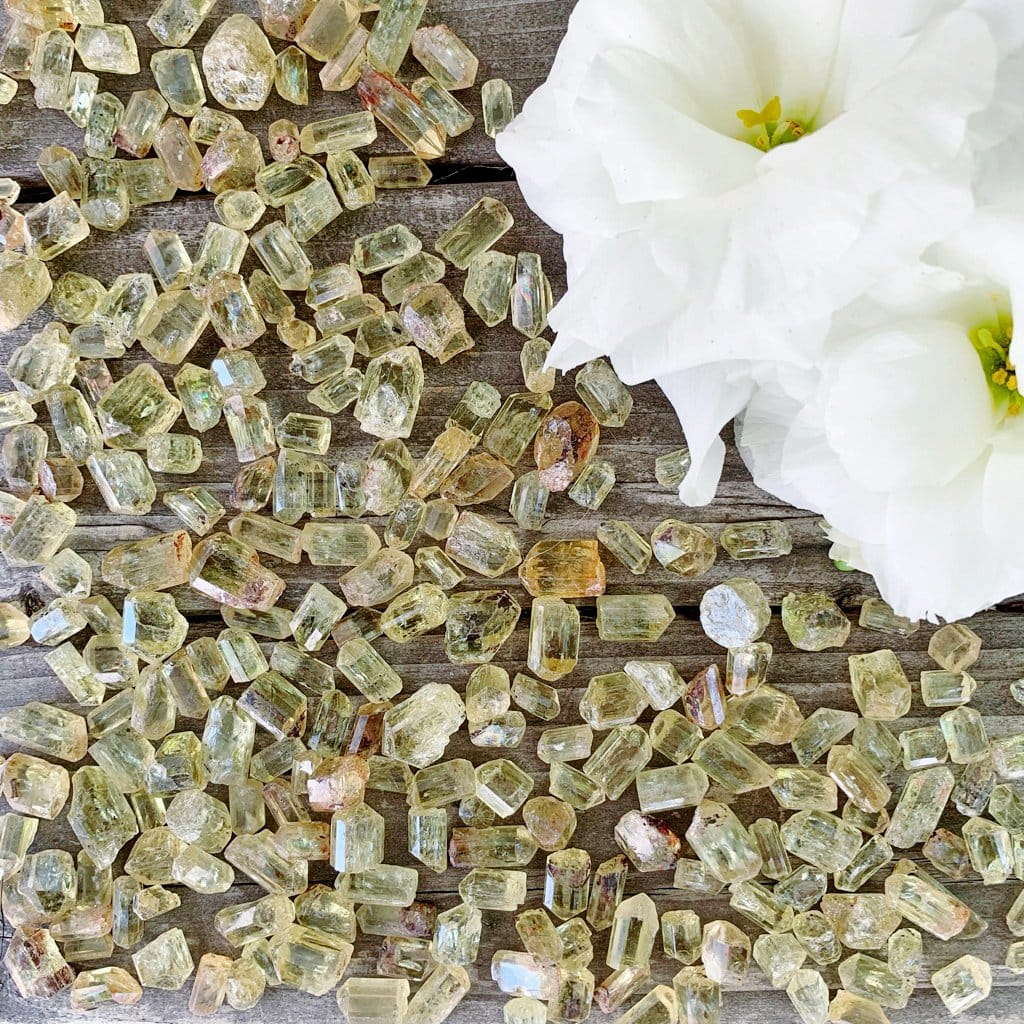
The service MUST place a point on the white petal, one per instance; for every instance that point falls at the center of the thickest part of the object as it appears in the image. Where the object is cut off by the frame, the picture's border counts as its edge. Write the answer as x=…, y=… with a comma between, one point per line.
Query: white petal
x=888, y=406
x=705, y=399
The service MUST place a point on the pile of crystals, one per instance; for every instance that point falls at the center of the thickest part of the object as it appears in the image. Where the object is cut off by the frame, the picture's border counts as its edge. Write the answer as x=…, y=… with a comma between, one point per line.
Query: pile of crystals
x=174, y=121
x=189, y=784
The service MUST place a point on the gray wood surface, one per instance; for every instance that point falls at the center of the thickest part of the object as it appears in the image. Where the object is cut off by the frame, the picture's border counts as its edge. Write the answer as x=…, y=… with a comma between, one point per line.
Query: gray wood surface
x=517, y=40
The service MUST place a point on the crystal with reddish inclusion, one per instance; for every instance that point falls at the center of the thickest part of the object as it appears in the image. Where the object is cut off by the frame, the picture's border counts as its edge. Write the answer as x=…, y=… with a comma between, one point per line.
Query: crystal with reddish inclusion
x=229, y=571
x=683, y=548
x=401, y=113
x=239, y=64
x=35, y=964
x=565, y=443
x=648, y=841
x=563, y=568
x=531, y=293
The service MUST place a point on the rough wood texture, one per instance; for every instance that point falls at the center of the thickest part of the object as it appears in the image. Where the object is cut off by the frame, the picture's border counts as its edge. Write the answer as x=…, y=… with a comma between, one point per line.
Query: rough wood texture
x=517, y=40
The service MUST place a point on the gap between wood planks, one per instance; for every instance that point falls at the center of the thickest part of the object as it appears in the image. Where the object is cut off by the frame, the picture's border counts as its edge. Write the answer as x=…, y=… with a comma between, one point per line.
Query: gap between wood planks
x=444, y=174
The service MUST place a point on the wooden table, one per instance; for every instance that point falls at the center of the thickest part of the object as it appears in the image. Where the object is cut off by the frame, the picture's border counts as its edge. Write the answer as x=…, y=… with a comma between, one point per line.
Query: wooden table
x=515, y=39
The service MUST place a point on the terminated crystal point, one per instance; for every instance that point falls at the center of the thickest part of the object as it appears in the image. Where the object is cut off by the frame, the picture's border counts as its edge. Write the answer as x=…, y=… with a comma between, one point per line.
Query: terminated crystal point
x=100, y=816
x=880, y=686
x=808, y=993
x=735, y=612
x=683, y=548
x=964, y=983
x=722, y=843
x=401, y=112
x=563, y=568
x=814, y=622
x=876, y=614
x=104, y=986
x=239, y=64
x=633, y=931
x=847, y=1008
x=919, y=807
x=165, y=962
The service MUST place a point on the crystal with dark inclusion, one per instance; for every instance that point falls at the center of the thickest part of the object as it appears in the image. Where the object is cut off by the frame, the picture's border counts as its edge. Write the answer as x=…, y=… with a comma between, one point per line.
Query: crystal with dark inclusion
x=35, y=964
x=814, y=622
x=648, y=841
x=275, y=705
x=478, y=623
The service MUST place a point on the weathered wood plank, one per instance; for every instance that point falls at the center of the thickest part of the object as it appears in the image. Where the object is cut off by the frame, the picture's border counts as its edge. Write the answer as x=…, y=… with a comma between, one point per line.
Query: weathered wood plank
x=813, y=680
x=514, y=39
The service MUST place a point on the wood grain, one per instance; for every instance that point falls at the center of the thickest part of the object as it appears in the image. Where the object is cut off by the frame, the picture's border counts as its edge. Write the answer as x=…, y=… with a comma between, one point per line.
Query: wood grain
x=516, y=39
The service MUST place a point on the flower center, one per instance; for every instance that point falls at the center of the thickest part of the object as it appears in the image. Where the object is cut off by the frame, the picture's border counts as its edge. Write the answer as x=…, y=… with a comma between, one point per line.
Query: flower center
x=992, y=343
x=770, y=127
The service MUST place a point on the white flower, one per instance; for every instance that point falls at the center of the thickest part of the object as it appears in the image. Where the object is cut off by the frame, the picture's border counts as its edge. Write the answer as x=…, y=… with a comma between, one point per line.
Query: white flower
x=696, y=258
x=909, y=435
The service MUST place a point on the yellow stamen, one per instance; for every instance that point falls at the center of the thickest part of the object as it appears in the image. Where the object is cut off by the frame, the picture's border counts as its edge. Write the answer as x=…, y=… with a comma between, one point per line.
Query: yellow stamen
x=1011, y=382
x=999, y=377
x=775, y=130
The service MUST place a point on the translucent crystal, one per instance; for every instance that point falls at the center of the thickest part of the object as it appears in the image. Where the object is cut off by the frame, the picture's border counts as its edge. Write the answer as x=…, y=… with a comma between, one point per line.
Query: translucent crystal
x=955, y=647
x=683, y=548
x=633, y=618
x=814, y=622
x=963, y=983
x=24, y=286
x=876, y=614
x=496, y=97
x=399, y=110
